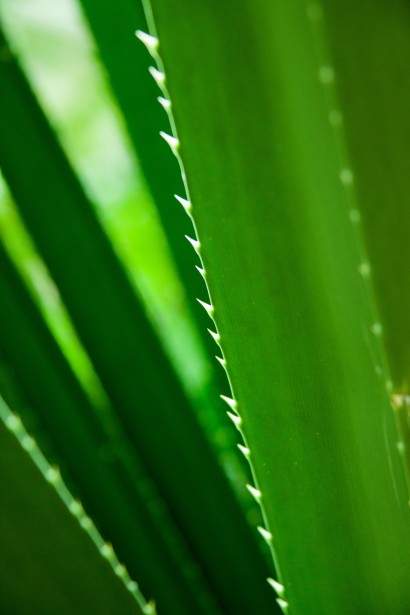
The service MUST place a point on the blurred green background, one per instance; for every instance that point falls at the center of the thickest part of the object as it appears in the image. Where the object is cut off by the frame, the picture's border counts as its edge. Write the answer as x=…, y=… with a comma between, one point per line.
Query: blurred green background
x=57, y=51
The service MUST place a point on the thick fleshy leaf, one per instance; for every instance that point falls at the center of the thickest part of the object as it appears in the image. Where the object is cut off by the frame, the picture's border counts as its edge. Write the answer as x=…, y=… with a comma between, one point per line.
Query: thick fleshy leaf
x=270, y=184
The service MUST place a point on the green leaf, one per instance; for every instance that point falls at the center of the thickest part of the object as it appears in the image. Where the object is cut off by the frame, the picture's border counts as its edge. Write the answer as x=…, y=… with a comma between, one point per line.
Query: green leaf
x=127, y=356
x=107, y=475
x=52, y=557
x=376, y=128
x=277, y=223
x=127, y=63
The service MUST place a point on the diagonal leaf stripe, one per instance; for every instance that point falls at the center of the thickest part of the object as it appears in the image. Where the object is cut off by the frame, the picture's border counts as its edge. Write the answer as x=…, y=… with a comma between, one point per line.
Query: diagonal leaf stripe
x=126, y=354
x=106, y=486
x=127, y=63
x=48, y=561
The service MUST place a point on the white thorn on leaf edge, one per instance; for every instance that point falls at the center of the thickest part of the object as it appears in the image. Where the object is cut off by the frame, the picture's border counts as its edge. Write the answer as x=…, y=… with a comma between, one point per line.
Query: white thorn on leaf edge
x=346, y=176
x=244, y=450
x=215, y=336
x=201, y=271
x=52, y=475
x=150, y=42
x=401, y=447
x=173, y=142
x=267, y=536
x=120, y=570
x=283, y=604
x=13, y=423
x=398, y=400
x=86, y=522
x=254, y=492
x=164, y=102
x=326, y=74
x=184, y=202
x=235, y=419
x=107, y=551
x=194, y=243
x=221, y=361
x=150, y=609
x=132, y=586
x=28, y=443
x=232, y=403
x=278, y=587
x=207, y=306
x=364, y=269
x=76, y=509
x=377, y=328
x=157, y=75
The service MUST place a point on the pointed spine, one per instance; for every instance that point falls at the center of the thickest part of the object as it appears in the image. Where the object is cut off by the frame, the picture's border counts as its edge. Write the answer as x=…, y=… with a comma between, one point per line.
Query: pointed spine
x=267, y=536
x=283, y=605
x=108, y=552
x=244, y=450
x=237, y=421
x=201, y=271
x=255, y=493
x=278, y=587
x=207, y=307
x=232, y=403
x=184, y=202
x=194, y=243
x=164, y=102
x=158, y=76
x=150, y=42
x=52, y=475
x=173, y=142
x=215, y=336
x=221, y=361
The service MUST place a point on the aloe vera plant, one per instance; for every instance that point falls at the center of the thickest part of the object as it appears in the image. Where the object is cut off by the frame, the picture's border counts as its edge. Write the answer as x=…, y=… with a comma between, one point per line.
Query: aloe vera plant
x=288, y=121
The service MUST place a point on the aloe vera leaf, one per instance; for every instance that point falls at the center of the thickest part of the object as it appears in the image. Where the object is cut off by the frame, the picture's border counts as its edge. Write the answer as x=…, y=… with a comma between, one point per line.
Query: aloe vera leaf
x=126, y=62
x=126, y=354
x=290, y=290
x=375, y=67
x=111, y=488
x=48, y=560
